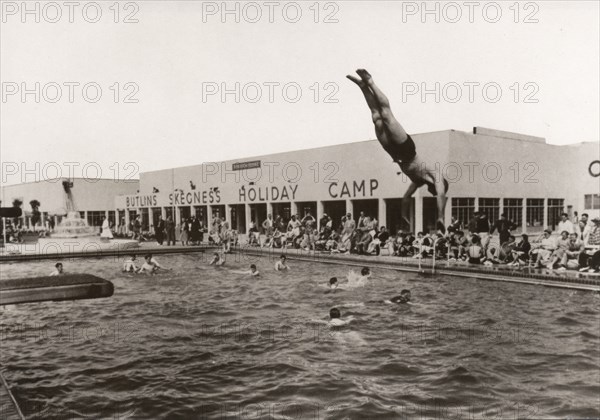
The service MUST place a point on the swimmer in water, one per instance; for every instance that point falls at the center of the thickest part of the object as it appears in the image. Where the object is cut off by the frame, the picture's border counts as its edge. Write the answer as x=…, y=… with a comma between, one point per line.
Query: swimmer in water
x=129, y=265
x=281, y=265
x=252, y=272
x=218, y=259
x=336, y=320
x=404, y=297
x=58, y=270
x=333, y=285
x=150, y=266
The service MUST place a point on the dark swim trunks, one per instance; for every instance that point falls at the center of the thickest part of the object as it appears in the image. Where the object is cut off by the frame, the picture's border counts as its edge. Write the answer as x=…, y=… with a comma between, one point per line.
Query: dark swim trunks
x=404, y=152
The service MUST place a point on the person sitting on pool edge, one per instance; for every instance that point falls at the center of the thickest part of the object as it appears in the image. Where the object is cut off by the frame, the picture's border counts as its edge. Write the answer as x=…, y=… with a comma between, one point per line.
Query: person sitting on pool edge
x=335, y=318
x=218, y=259
x=58, y=270
x=281, y=265
x=129, y=265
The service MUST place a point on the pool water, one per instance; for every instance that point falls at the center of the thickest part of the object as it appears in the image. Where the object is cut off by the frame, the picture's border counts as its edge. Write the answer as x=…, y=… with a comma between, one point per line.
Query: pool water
x=209, y=343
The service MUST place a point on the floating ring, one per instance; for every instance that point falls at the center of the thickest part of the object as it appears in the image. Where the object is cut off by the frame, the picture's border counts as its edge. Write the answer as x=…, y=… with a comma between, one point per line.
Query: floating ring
x=597, y=174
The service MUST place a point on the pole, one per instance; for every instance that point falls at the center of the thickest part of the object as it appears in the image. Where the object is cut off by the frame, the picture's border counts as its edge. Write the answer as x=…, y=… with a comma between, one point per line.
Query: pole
x=4, y=231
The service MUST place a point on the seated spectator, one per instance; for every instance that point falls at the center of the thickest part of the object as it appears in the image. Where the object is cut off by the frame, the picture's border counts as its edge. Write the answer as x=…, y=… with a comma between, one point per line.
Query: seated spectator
x=561, y=248
x=520, y=253
x=380, y=240
x=458, y=245
x=332, y=243
x=440, y=243
x=502, y=253
x=421, y=244
x=475, y=251
x=308, y=218
x=571, y=256
x=293, y=228
x=253, y=235
x=364, y=237
x=543, y=248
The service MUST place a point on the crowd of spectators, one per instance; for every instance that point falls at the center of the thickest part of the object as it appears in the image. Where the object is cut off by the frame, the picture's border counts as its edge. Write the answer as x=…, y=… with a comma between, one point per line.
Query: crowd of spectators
x=576, y=245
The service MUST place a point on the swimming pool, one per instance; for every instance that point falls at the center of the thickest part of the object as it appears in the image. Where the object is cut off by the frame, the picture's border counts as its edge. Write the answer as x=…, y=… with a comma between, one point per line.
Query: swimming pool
x=205, y=342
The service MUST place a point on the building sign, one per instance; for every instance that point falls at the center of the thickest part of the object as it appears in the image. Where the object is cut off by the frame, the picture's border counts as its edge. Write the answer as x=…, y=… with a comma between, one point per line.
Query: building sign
x=213, y=196
x=134, y=201
x=240, y=166
x=177, y=198
x=354, y=189
x=272, y=193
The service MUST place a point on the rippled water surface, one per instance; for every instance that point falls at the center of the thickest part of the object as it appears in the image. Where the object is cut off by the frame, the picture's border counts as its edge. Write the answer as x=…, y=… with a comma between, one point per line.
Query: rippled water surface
x=205, y=342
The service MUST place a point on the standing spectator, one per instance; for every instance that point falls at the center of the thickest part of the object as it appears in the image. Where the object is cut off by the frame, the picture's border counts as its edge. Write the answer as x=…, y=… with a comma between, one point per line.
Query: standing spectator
x=483, y=231
x=106, y=232
x=472, y=226
x=185, y=232
x=159, y=231
x=361, y=220
x=583, y=228
x=592, y=249
x=565, y=224
x=170, y=226
x=504, y=227
x=348, y=226
x=137, y=228
x=323, y=221
x=195, y=230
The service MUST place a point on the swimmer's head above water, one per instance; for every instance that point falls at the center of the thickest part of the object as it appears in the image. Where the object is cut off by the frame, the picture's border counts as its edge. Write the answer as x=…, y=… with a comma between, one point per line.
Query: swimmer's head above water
x=403, y=298
x=253, y=268
x=334, y=313
x=333, y=282
x=365, y=271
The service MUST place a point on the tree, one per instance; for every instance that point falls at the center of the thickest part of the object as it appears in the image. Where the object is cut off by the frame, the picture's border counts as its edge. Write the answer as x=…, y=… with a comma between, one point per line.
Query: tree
x=35, y=212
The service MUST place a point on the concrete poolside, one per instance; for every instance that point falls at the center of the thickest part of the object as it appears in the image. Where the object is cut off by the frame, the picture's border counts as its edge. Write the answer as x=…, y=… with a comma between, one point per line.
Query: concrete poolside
x=566, y=279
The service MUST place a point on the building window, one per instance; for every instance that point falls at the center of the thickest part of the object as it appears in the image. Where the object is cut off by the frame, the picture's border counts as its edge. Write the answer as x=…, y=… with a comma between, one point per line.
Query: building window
x=535, y=212
x=592, y=201
x=94, y=218
x=463, y=209
x=112, y=218
x=490, y=207
x=513, y=208
x=556, y=206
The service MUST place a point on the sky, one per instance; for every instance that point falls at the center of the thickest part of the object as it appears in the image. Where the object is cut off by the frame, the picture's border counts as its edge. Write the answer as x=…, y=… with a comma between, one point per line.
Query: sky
x=155, y=72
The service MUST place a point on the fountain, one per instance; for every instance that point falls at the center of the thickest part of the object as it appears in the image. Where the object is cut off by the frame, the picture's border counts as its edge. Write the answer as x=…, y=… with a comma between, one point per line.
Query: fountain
x=73, y=234
x=73, y=226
